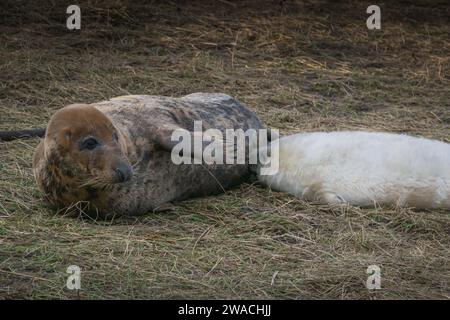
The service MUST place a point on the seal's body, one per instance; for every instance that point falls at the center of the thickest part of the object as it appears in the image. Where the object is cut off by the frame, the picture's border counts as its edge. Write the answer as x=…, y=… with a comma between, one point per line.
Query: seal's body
x=363, y=169
x=115, y=155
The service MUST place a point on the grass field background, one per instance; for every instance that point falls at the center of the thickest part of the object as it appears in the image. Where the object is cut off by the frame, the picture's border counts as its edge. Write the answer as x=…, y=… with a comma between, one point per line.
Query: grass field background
x=301, y=66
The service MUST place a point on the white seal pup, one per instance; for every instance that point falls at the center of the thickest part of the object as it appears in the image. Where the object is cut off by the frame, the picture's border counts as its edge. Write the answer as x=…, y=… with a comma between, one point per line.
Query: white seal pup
x=363, y=169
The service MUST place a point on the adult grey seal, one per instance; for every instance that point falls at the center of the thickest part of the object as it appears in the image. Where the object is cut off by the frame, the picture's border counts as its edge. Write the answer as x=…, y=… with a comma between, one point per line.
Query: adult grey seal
x=115, y=156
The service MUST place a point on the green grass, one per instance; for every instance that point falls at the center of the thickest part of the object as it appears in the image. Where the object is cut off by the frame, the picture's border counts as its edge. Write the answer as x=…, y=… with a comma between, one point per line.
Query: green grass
x=302, y=66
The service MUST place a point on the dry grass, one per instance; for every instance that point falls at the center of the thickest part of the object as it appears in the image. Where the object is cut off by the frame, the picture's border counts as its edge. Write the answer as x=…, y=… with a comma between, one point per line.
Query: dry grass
x=302, y=66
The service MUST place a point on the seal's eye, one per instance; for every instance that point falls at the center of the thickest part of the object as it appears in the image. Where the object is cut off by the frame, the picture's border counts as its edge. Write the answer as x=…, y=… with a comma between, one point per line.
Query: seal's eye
x=89, y=143
x=115, y=137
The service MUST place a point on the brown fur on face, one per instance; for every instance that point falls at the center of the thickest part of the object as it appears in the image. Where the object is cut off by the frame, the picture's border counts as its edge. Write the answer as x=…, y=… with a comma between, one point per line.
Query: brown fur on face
x=63, y=161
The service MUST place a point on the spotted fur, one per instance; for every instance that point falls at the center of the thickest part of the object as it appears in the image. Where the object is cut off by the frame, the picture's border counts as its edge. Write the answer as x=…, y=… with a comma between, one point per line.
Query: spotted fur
x=143, y=125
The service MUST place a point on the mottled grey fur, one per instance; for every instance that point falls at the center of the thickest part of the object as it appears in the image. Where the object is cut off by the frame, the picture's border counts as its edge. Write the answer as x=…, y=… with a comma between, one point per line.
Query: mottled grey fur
x=148, y=121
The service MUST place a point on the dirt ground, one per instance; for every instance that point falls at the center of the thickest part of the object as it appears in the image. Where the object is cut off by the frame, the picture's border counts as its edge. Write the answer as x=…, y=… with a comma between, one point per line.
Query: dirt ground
x=301, y=66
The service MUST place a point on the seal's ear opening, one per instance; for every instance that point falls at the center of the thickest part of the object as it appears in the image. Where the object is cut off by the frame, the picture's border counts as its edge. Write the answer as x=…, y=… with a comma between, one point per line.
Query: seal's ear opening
x=67, y=133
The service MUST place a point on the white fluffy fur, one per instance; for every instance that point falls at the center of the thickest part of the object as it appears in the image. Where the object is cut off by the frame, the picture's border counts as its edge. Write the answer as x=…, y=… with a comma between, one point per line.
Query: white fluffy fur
x=363, y=169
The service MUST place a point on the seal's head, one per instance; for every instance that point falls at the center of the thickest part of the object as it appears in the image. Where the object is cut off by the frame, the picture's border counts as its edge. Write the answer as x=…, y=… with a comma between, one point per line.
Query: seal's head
x=86, y=147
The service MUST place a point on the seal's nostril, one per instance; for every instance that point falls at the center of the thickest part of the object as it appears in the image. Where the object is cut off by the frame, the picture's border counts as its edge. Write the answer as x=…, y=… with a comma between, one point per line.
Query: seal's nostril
x=120, y=175
x=123, y=173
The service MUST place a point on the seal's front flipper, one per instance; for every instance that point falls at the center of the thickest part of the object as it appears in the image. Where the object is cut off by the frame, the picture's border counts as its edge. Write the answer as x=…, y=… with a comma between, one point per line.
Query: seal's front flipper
x=163, y=136
x=192, y=144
